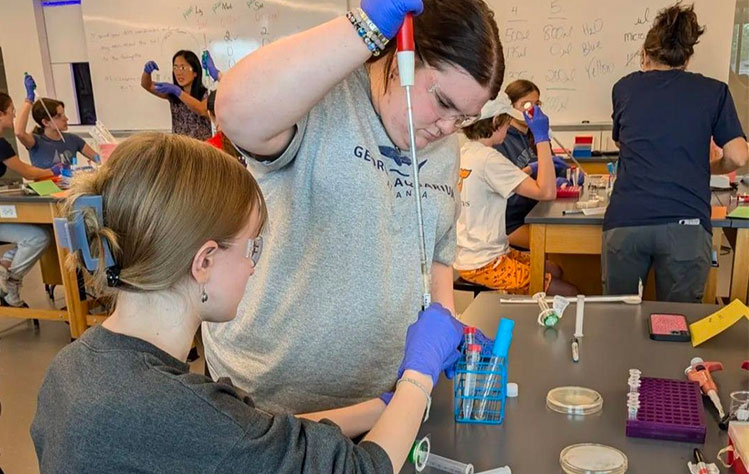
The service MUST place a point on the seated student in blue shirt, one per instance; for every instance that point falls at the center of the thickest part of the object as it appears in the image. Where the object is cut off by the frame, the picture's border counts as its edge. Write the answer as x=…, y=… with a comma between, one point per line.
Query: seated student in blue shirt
x=519, y=147
x=48, y=143
x=663, y=119
x=183, y=223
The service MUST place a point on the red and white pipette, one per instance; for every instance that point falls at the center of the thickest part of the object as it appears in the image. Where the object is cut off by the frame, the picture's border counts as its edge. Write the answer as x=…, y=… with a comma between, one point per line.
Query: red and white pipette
x=699, y=371
x=406, y=66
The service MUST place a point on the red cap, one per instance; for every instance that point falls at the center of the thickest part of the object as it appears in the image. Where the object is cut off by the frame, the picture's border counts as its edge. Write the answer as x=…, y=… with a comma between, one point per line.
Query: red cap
x=469, y=330
x=474, y=347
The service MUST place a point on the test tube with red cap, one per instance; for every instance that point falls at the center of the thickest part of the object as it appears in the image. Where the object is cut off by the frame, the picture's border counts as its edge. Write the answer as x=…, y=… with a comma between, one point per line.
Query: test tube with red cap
x=473, y=356
x=469, y=336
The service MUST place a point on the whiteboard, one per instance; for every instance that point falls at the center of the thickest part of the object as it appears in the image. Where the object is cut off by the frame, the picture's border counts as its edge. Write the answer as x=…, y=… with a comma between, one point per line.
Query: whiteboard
x=122, y=35
x=575, y=50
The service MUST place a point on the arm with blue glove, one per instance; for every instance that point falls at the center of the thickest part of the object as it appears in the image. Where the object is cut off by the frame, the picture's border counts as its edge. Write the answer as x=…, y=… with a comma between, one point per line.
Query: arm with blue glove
x=543, y=186
x=261, y=98
x=432, y=344
x=30, y=172
x=146, y=81
x=22, y=119
x=210, y=67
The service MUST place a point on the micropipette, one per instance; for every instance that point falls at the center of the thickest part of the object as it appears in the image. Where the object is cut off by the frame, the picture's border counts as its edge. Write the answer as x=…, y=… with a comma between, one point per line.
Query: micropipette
x=406, y=65
x=502, y=342
x=448, y=465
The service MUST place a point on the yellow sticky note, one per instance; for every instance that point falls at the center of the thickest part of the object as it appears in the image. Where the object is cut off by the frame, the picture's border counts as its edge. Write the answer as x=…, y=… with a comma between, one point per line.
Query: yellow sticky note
x=718, y=322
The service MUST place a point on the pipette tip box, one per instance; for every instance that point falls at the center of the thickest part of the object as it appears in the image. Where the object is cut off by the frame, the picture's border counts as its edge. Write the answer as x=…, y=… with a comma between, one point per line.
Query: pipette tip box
x=669, y=409
x=568, y=192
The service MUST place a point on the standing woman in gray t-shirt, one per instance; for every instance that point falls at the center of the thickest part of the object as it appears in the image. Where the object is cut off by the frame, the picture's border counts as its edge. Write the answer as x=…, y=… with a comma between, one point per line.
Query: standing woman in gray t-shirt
x=321, y=117
x=48, y=143
x=187, y=96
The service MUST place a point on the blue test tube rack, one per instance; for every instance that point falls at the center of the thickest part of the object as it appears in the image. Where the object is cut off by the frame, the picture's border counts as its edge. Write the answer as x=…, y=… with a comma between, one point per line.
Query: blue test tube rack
x=490, y=383
x=489, y=379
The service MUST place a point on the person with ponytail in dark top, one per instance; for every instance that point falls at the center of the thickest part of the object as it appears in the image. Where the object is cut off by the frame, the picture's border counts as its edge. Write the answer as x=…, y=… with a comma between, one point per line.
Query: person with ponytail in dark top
x=186, y=94
x=48, y=143
x=663, y=120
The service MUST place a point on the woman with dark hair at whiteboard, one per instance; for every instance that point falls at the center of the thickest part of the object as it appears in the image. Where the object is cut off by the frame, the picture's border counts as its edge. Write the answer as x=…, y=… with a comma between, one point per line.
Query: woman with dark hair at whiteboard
x=664, y=117
x=186, y=94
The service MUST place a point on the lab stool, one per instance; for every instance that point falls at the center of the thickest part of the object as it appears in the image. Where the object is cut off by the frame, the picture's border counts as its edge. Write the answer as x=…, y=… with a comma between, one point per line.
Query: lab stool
x=462, y=285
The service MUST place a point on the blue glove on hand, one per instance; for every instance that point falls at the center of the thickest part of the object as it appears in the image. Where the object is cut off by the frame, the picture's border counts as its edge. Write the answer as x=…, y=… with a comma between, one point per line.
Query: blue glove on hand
x=168, y=88
x=562, y=182
x=388, y=15
x=386, y=397
x=150, y=67
x=560, y=166
x=209, y=66
x=432, y=343
x=56, y=169
x=30, y=85
x=539, y=124
x=533, y=165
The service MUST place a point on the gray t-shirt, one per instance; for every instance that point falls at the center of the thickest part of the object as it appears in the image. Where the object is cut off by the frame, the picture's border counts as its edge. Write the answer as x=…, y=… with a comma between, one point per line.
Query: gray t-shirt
x=114, y=403
x=47, y=152
x=323, y=321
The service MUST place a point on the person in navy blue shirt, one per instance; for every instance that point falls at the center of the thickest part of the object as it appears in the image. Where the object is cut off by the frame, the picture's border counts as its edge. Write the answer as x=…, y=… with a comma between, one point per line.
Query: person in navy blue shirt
x=663, y=120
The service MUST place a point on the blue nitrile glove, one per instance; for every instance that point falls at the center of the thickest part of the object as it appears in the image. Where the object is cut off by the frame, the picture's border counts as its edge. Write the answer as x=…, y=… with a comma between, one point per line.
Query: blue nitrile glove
x=560, y=166
x=386, y=397
x=388, y=15
x=432, y=343
x=209, y=66
x=150, y=67
x=30, y=85
x=168, y=88
x=56, y=169
x=479, y=338
x=539, y=124
x=533, y=165
x=562, y=182
x=486, y=343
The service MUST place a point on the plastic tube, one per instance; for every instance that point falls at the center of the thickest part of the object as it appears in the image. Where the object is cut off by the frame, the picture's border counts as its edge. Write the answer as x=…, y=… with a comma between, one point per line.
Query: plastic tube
x=448, y=465
x=493, y=368
x=473, y=355
x=497, y=470
x=469, y=336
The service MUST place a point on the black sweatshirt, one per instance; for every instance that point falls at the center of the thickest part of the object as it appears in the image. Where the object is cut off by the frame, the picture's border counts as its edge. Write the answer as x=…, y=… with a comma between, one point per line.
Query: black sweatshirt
x=114, y=403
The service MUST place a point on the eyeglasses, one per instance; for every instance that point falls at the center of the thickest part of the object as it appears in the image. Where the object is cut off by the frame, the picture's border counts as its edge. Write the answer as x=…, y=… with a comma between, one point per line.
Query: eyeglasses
x=443, y=110
x=254, y=249
x=185, y=68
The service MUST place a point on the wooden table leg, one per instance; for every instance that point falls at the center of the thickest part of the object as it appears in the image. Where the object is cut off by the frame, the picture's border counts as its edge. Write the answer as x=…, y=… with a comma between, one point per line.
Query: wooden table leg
x=76, y=309
x=538, y=257
x=711, y=287
x=740, y=274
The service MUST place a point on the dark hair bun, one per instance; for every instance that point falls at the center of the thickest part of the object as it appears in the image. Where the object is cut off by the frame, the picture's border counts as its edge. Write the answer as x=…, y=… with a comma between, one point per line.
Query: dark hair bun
x=674, y=33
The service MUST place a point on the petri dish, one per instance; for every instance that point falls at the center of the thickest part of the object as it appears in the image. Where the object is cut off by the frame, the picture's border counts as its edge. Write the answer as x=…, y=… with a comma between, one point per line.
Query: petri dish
x=590, y=458
x=574, y=400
